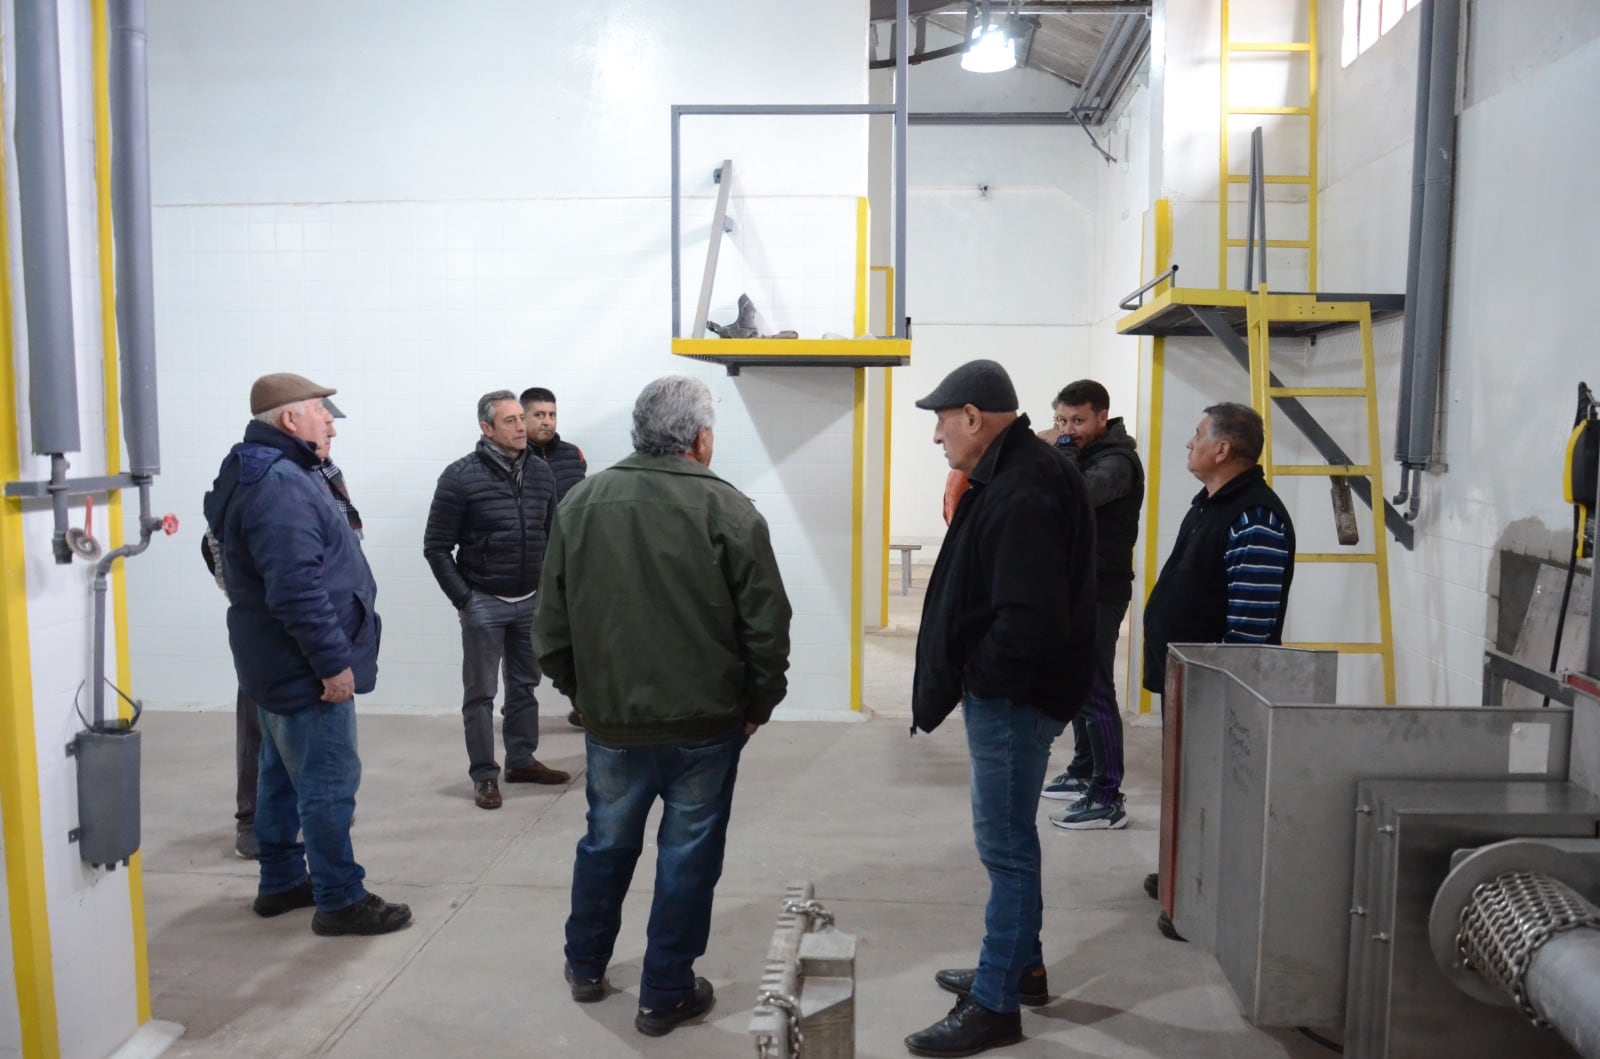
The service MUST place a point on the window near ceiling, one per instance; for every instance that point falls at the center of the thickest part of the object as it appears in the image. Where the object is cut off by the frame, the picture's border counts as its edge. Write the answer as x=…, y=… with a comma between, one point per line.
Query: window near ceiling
x=1367, y=20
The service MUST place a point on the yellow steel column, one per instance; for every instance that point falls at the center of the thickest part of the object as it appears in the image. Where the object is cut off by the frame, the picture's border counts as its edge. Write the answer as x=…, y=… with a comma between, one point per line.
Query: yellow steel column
x=1224, y=54
x=113, y=405
x=1152, y=434
x=31, y=961
x=858, y=507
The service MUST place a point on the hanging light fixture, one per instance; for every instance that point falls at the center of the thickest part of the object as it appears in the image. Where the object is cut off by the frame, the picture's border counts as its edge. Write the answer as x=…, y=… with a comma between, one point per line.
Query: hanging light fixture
x=990, y=49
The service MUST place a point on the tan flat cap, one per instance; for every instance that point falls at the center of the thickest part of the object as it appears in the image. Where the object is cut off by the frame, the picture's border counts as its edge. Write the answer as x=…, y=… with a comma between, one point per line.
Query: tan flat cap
x=285, y=387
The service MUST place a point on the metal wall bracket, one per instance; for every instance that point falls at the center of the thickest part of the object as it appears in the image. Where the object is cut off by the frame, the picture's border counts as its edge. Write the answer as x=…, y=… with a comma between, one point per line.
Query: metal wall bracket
x=75, y=834
x=74, y=487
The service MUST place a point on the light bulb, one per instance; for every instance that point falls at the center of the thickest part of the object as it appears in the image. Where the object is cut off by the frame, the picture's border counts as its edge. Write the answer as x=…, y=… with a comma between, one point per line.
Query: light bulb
x=991, y=51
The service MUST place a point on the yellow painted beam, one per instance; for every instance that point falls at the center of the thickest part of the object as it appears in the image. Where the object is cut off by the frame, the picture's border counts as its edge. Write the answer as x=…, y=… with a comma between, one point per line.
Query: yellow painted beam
x=1319, y=470
x=1269, y=46
x=755, y=348
x=1290, y=111
x=858, y=488
x=1316, y=391
x=31, y=961
x=1281, y=244
x=1271, y=178
x=863, y=220
x=1334, y=557
x=113, y=407
x=1344, y=647
x=1152, y=435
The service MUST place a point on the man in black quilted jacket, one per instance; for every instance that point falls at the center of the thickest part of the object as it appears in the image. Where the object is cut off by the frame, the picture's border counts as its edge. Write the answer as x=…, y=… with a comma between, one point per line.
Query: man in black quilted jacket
x=485, y=542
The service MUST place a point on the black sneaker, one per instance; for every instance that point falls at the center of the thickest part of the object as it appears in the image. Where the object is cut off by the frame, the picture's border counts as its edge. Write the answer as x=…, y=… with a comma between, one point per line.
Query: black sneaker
x=269, y=905
x=970, y=1028
x=245, y=846
x=658, y=1022
x=1152, y=885
x=370, y=915
x=1033, y=990
x=585, y=990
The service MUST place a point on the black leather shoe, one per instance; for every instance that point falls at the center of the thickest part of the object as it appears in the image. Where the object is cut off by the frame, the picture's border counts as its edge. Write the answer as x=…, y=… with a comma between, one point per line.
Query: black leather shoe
x=536, y=772
x=1152, y=885
x=970, y=1028
x=658, y=1022
x=370, y=915
x=1168, y=931
x=269, y=905
x=1034, y=989
x=585, y=990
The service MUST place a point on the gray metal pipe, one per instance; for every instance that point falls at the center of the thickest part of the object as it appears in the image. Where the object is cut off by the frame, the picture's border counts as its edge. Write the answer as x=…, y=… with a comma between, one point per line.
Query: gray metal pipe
x=1419, y=162
x=148, y=524
x=1433, y=266
x=46, y=261
x=46, y=253
x=902, y=111
x=1562, y=982
x=130, y=189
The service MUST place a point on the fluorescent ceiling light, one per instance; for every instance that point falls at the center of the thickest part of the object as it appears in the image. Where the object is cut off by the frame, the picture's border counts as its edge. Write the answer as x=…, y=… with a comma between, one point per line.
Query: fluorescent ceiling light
x=989, y=52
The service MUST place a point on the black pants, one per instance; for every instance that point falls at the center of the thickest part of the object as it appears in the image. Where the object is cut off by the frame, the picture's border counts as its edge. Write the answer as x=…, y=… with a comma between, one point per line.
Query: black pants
x=247, y=754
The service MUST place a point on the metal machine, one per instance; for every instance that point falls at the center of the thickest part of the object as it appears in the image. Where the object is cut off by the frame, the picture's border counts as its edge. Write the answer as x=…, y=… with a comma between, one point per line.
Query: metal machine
x=1425, y=876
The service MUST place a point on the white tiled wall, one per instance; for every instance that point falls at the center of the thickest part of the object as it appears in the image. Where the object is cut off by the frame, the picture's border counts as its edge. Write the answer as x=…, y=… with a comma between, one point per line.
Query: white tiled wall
x=414, y=310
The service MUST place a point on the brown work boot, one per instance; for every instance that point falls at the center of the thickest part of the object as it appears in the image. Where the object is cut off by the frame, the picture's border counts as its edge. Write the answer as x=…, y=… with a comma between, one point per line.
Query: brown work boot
x=486, y=793
x=533, y=772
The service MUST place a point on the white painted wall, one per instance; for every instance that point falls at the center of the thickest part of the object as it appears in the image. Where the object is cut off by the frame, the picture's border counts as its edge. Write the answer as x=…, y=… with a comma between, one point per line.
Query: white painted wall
x=418, y=208
x=1518, y=339
x=1027, y=273
x=90, y=918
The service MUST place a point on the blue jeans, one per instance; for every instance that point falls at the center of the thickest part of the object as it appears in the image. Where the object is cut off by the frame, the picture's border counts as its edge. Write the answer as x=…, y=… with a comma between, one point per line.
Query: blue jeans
x=309, y=775
x=695, y=784
x=1010, y=747
x=1097, y=728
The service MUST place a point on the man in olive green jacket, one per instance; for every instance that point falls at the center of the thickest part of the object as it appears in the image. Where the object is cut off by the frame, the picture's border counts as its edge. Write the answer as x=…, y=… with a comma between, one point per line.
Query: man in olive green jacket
x=662, y=616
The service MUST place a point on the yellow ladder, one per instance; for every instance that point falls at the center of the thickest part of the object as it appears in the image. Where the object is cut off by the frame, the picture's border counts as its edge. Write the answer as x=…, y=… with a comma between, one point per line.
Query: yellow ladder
x=1262, y=310
x=1290, y=53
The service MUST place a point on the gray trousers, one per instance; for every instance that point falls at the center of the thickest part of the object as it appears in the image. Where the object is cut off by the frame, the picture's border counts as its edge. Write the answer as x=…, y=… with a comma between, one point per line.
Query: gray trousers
x=247, y=758
x=495, y=632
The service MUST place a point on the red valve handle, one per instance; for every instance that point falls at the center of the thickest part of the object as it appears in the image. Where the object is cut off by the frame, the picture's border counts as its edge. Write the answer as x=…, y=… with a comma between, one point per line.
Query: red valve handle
x=169, y=524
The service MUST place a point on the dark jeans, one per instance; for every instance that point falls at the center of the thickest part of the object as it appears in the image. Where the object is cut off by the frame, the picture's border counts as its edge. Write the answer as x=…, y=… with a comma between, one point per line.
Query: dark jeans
x=1097, y=729
x=695, y=784
x=1010, y=747
x=247, y=758
x=310, y=771
x=493, y=631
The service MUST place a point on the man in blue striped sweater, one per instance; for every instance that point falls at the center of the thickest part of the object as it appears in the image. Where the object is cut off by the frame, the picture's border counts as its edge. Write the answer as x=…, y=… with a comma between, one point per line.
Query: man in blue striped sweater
x=1227, y=579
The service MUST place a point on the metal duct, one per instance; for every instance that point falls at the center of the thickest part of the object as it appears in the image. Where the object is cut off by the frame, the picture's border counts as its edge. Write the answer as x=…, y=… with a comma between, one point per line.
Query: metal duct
x=46, y=267
x=1433, y=265
x=130, y=189
x=1419, y=161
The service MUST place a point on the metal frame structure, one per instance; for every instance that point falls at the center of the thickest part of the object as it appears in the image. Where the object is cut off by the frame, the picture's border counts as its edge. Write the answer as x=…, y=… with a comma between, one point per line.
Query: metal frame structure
x=898, y=109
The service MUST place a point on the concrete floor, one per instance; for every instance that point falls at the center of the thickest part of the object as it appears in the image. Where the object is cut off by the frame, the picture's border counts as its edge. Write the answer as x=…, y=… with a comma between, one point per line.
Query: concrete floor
x=878, y=821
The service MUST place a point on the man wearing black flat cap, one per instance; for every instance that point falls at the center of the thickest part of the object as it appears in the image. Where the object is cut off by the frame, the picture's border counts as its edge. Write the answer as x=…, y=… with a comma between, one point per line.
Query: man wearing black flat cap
x=304, y=632
x=1008, y=632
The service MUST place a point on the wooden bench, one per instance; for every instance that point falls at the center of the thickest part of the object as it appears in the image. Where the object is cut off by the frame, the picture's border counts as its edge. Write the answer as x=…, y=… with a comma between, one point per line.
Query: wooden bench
x=905, y=551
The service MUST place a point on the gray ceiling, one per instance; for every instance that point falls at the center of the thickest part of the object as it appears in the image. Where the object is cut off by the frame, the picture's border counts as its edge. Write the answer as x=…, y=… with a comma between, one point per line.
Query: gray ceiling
x=1094, y=45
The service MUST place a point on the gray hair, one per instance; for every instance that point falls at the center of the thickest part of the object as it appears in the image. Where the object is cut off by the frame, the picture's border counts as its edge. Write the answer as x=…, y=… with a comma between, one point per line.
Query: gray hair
x=273, y=417
x=669, y=415
x=487, y=402
x=1241, y=427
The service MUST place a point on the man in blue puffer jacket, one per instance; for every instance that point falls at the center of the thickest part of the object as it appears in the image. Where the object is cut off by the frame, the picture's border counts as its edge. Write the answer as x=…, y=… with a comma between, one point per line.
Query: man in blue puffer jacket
x=304, y=635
